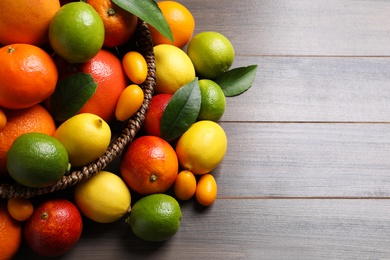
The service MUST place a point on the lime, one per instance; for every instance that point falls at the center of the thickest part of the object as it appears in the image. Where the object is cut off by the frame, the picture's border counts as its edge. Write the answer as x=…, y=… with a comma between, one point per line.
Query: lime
x=104, y=197
x=85, y=136
x=202, y=147
x=37, y=160
x=213, y=100
x=155, y=217
x=211, y=53
x=174, y=68
x=76, y=32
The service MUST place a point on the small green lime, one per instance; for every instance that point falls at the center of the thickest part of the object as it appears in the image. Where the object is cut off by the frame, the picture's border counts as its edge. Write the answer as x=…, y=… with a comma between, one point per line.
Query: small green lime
x=37, y=160
x=155, y=217
x=213, y=100
x=76, y=32
x=211, y=53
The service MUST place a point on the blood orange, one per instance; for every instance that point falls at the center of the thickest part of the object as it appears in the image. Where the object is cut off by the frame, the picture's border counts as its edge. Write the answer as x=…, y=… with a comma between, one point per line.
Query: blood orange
x=54, y=228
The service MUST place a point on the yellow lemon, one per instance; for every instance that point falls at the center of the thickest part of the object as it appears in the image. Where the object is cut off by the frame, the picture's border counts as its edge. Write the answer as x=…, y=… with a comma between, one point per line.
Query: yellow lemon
x=85, y=136
x=103, y=198
x=202, y=147
x=174, y=68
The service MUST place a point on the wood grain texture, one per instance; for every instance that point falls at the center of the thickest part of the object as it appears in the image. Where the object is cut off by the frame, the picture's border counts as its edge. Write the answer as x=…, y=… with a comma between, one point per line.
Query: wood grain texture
x=298, y=27
x=254, y=229
x=307, y=171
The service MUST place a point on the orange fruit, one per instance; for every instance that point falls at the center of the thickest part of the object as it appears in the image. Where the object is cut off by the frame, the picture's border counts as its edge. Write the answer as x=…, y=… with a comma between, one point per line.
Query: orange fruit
x=119, y=24
x=21, y=121
x=185, y=185
x=10, y=233
x=135, y=67
x=106, y=70
x=54, y=228
x=179, y=19
x=155, y=112
x=206, y=190
x=3, y=119
x=129, y=102
x=26, y=21
x=28, y=75
x=149, y=165
x=20, y=209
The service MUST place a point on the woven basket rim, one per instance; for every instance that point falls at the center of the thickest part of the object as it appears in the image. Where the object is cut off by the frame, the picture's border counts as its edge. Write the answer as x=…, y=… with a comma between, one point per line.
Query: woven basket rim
x=118, y=143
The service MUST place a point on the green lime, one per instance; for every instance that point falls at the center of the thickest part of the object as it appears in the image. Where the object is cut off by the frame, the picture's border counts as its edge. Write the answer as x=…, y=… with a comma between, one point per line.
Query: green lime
x=37, y=160
x=76, y=32
x=211, y=53
x=213, y=100
x=155, y=217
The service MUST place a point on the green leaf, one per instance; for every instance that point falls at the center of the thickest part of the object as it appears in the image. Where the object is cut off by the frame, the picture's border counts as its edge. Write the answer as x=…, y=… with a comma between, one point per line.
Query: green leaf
x=149, y=12
x=71, y=94
x=237, y=81
x=181, y=111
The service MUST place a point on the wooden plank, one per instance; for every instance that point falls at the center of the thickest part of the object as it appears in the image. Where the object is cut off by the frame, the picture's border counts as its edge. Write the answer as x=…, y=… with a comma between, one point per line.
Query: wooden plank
x=301, y=27
x=314, y=89
x=252, y=229
x=305, y=160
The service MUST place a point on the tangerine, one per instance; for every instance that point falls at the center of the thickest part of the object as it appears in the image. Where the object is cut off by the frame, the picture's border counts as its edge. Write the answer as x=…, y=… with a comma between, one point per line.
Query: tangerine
x=3, y=119
x=20, y=121
x=10, y=233
x=149, y=165
x=180, y=21
x=28, y=75
x=185, y=185
x=26, y=21
x=20, y=209
x=135, y=67
x=206, y=190
x=155, y=112
x=129, y=102
x=119, y=24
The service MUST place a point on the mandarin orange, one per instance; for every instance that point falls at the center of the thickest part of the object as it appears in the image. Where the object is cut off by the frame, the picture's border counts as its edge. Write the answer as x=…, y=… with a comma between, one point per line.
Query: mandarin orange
x=10, y=233
x=26, y=21
x=149, y=165
x=119, y=24
x=20, y=121
x=180, y=21
x=28, y=75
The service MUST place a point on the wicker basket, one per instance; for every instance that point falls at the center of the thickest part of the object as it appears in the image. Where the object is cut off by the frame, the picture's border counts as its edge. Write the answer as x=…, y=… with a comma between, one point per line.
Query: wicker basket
x=118, y=143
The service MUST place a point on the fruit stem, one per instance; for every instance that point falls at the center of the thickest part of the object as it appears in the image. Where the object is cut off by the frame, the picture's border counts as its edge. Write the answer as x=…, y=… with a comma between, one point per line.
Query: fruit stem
x=153, y=178
x=11, y=49
x=111, y=12
x=44, y=215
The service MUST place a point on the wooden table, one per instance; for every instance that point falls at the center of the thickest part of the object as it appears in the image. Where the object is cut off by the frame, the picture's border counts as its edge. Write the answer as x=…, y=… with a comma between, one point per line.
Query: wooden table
x=307, y=172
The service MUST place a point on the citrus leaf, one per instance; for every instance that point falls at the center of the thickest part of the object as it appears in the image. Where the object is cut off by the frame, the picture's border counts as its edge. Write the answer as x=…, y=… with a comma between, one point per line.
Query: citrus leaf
x=149, y=12
x=71, y=94
x=181, y=111
x=237, y=81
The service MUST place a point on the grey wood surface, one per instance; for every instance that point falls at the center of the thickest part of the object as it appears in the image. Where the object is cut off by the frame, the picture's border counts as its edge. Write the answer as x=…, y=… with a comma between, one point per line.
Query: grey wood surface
x=307, y=172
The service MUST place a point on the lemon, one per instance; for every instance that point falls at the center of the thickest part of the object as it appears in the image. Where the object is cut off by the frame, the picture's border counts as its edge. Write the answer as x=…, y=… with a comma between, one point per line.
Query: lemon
x=76, y=32
x=211, y=53
x=85, y=136
x=213, y=101
x=104, y=197
x=202, y=147
x=155, y=217
x=174, y=68
x=37, y=160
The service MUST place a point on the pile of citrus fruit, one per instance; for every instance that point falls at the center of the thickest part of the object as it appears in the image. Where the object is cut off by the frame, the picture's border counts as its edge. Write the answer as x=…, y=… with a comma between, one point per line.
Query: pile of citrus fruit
x=70, y=72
